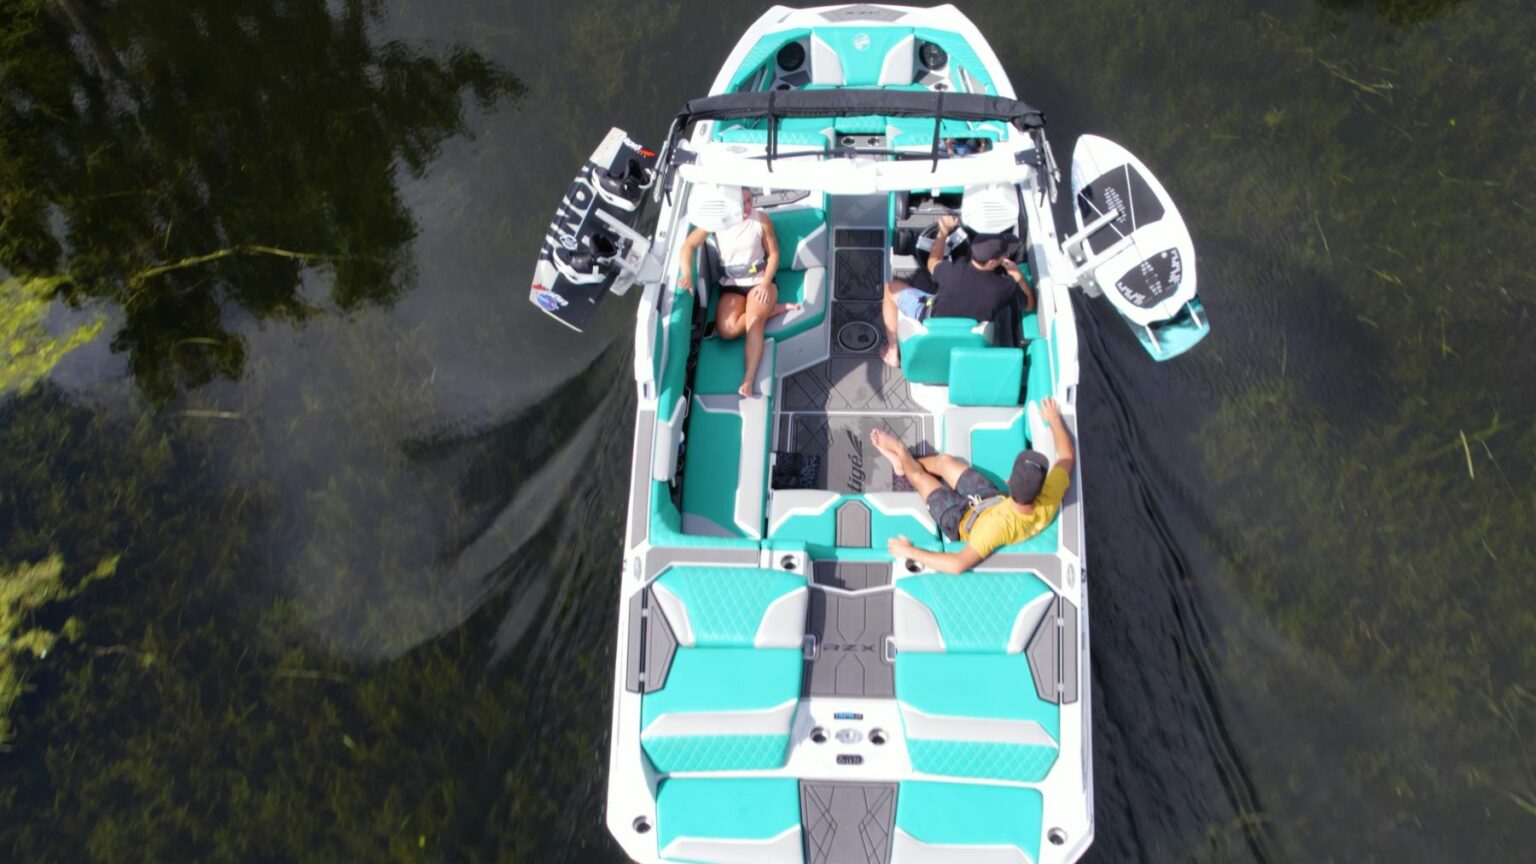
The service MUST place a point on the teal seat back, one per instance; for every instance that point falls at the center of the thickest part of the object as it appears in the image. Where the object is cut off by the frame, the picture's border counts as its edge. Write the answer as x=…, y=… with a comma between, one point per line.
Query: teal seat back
x=802, y=236
x=725, y=606
x=974, y=612
x=985, y=376
x=925, y=356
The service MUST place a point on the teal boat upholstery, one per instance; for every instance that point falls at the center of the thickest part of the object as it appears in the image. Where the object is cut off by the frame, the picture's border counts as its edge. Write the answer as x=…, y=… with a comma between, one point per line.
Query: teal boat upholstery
x=788, y=139
x=863, y=56
x=725, y=475
x=1042, y=373
x=763, y=52
x=708, y=819
x=809, y=517
x=963, y=684
x=926, y=346
x=985, y=376
x=966, y=823
x=802, y=278
x=990, y=438
x=730, y=692
x=731, y=607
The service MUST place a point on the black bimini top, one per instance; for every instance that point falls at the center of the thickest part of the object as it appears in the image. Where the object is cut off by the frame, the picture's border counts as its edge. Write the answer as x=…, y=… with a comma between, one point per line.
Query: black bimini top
x=849, y=103
x=842, y=102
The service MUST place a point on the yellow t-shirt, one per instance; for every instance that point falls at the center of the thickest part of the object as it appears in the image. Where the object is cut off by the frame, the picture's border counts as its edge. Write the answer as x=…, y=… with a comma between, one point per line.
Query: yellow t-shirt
x=1002, y=523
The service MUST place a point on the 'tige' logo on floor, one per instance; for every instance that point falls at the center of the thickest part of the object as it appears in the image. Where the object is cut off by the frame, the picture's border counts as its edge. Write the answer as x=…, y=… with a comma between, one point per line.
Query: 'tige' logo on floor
x=856, y=461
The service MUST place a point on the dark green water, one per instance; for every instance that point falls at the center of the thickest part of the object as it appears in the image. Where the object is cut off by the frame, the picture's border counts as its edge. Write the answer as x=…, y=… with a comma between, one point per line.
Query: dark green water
x=368, y=500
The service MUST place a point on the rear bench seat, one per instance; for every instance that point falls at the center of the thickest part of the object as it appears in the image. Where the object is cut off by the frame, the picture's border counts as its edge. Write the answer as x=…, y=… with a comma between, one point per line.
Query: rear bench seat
x=729, y=695
x=966, y=823
x=963, y=683
x=725, y=477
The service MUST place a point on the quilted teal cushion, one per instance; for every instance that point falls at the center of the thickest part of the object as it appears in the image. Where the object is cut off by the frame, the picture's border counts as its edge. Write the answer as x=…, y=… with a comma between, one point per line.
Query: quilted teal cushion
x=721, y=681
x=725, y=605
x=974, y=611
x=984, y=760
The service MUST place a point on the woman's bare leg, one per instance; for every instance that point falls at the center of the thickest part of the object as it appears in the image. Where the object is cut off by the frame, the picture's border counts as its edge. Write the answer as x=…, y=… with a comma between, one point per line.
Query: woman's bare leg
x=730, y=316
x=755, y=320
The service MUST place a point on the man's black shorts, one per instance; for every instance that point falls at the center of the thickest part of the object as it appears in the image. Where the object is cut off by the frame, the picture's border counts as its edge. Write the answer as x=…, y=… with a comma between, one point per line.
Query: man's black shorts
x=948, y=505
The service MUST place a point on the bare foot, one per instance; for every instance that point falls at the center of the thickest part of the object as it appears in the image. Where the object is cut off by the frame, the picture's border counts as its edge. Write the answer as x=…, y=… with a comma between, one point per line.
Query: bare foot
x=746, y=390
x=892, y=449
x=891, y=355
x=781, y=308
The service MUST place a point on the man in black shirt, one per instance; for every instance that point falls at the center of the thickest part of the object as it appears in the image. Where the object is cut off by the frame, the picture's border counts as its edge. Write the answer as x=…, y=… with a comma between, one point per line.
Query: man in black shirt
x=973, y=289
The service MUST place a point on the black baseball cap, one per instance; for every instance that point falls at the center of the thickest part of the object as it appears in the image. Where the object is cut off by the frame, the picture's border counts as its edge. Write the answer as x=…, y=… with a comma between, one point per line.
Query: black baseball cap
x=990, y=247
x=1028, y=476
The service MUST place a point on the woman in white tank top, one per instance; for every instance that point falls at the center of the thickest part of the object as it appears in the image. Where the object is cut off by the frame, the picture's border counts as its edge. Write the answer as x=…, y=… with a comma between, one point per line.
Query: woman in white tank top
x=749, y=257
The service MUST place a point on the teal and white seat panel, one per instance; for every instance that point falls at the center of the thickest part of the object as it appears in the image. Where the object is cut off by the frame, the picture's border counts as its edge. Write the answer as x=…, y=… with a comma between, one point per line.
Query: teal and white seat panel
x=809, y=517
x=987, y=426
x=964, y=687
x=730, y=693
x=804, y=244
x=966, y=823
x=926, y=345
x=730, y=820
x=863, y=56
x=725, y=475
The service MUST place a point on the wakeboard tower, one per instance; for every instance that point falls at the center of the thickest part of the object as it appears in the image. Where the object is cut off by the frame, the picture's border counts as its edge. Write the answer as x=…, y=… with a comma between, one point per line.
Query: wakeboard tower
x=786, y=691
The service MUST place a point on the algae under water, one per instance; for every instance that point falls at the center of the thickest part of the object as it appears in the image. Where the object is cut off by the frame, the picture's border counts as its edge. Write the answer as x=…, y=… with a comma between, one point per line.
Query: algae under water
x=364, y=501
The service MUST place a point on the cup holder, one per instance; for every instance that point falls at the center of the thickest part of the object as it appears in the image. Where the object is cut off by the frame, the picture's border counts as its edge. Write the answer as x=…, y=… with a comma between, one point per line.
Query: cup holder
x=787, y=562
x=642, y=825
x=1057, y=837
x=877, y=737
x=913, y=566
x=857, y=336
x=819, y=735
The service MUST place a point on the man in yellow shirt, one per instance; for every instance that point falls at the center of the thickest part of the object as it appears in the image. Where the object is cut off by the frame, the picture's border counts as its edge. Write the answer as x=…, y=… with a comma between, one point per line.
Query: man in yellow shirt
x=968, y=507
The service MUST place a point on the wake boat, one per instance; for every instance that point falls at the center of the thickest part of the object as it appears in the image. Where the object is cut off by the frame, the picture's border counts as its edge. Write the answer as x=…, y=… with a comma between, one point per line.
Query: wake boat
x=784, y=690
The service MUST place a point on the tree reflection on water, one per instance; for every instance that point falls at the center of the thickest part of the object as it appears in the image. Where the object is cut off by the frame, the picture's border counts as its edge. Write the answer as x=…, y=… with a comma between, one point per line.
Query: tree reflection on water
x=186, y=159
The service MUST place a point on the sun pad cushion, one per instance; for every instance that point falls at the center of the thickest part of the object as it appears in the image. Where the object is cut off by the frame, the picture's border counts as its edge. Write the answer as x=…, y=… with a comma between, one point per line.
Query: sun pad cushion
x=957, y=818
x=737, y=819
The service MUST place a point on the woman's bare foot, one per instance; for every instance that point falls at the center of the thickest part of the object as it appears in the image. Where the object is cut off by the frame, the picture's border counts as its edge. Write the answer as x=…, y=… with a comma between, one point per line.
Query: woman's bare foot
x=892, y=449
x=891, y=354
x=746, y=390
x=781, y=308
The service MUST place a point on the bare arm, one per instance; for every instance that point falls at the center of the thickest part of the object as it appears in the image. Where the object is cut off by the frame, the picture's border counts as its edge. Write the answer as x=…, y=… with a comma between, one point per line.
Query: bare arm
x=944, y=562
x=940, y=243
x=1065, y=455
x=1018, y=276
x=690, y=251
x=771, y=249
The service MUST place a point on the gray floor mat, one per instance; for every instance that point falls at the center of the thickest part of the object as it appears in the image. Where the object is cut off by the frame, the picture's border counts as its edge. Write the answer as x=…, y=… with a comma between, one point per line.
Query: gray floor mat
x=860, y=274
x=848, y=460
x=854, y=383
x=848, y=823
